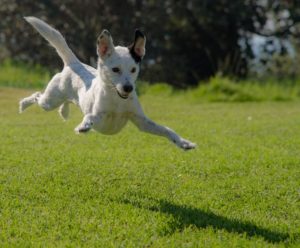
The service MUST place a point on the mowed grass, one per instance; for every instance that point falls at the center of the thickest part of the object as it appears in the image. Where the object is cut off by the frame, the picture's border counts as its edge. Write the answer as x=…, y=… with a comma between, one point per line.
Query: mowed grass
x=239, y=188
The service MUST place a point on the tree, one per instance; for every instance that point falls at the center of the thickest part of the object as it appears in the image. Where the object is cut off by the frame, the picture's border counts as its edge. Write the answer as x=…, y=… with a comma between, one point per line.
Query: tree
x=187, y=41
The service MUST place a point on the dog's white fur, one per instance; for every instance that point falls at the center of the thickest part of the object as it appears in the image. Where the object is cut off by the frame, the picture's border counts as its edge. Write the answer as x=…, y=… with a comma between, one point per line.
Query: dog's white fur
x=101, y=94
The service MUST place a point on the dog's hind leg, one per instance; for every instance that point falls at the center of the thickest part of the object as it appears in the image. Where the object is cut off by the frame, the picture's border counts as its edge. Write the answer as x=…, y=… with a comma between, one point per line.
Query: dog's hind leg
x=50, y=101
x=53, y=96
x=28, y=101
x=64, y=110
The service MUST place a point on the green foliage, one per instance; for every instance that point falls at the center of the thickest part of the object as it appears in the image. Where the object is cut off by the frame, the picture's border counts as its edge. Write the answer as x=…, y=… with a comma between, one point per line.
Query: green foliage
x=279, y=66
x=159, y=88
x=187, y=41
x=217, y=89
x=223, y=89
x=239, y=188
x=22, y=75
x=220, y=89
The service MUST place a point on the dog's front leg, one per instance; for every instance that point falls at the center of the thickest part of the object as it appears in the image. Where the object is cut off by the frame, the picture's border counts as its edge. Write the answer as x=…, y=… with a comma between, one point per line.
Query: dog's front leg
x=87, y=123
x=93, y=118
x=146, y=125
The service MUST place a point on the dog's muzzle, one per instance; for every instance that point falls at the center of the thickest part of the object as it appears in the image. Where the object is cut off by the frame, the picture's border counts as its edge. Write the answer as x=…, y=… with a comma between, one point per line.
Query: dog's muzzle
x=123, y=95
x=127, y=89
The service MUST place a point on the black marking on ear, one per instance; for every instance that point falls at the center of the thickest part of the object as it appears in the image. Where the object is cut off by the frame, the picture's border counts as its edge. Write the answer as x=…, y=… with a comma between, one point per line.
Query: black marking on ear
x=135, y=57
x=138, y=34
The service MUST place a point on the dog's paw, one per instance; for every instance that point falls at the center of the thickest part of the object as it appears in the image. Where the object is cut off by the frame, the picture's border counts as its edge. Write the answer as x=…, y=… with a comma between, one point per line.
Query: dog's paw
x=186, y=144
x=23, y=105
x=83, y=128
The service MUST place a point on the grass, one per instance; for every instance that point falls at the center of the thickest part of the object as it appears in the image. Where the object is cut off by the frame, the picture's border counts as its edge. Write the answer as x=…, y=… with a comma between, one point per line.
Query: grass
x=218, y=89
x=225, y=90
x=22, y=75
x=239, y=188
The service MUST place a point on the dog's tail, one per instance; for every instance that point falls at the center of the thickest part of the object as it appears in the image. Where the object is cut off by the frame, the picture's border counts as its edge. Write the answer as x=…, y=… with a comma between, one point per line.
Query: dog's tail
x=55, y=39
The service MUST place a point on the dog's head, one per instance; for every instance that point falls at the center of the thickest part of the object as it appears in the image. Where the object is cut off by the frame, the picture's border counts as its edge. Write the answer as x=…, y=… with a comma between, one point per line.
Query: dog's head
x=119, y=66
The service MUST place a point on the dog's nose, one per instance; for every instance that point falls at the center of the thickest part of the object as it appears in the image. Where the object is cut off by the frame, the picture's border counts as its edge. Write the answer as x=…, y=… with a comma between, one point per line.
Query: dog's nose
x=127, y=88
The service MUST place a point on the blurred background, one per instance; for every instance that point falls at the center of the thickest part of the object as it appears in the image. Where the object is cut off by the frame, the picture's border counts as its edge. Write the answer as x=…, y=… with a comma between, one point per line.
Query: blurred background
x=188, y=42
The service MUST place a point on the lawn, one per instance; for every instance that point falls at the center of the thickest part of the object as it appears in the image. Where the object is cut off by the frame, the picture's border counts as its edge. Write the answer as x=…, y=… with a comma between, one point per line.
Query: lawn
x=239, y=188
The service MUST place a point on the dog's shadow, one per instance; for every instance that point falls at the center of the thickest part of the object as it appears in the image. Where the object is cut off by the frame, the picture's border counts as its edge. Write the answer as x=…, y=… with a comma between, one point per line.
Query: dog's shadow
x=186, y=216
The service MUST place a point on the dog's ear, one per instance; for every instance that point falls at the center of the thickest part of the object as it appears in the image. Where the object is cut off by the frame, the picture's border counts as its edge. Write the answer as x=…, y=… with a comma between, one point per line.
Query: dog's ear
x=105, y=46
x=137, y=48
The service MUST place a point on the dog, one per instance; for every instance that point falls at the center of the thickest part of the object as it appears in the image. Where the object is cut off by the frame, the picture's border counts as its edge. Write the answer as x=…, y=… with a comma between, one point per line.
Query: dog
x=106, y=95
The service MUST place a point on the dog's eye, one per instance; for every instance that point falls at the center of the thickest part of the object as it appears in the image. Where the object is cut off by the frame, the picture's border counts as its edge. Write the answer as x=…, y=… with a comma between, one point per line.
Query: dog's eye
x=116, y=69
x=133, y=70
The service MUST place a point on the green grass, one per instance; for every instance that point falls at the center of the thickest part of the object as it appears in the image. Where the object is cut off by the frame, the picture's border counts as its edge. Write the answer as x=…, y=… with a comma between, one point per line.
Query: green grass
x=23, y=76
x=217, y=89
x=239, y=188
x=225, y=90
x=220, y=89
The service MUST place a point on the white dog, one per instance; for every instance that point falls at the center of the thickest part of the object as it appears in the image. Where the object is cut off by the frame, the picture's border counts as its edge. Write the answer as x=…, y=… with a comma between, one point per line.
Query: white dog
x=106, y=96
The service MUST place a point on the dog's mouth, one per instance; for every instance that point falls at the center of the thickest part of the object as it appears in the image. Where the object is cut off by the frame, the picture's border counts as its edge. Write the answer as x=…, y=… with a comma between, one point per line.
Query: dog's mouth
x=123, y=96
